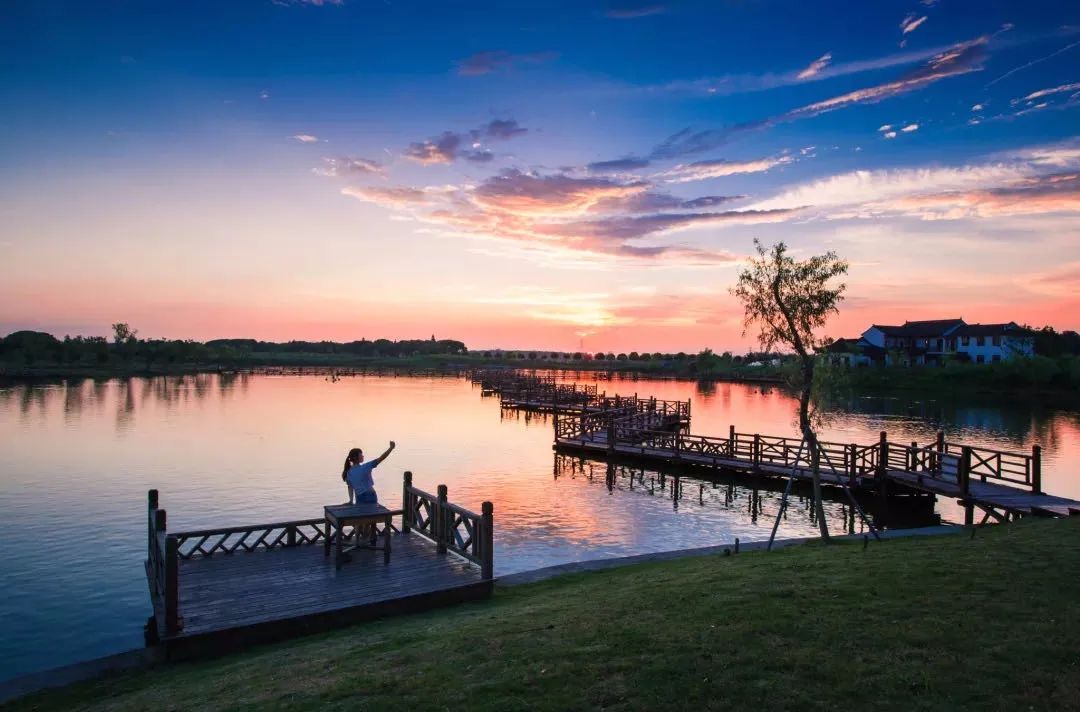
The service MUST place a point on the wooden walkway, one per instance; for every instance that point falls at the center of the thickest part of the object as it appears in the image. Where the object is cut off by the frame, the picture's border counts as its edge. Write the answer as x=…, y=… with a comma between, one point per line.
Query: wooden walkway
x=544, y=394
x=219, y=590
x=1002, y=484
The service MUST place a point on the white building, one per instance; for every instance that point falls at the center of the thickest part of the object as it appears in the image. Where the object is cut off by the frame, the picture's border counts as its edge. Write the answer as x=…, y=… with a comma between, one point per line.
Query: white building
x=935, y=341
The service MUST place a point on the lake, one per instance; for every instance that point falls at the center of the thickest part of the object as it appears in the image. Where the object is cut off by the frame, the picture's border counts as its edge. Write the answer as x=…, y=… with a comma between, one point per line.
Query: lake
x=78, y=457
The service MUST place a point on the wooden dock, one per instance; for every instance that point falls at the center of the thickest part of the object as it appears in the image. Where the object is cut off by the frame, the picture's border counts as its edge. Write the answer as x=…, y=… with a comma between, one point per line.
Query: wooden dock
x=219, y=590
x=544, y=394
x=1001, y=484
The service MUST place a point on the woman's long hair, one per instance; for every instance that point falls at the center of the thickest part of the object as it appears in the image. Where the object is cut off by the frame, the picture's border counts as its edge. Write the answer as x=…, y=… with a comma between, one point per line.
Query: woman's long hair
x=353, y=458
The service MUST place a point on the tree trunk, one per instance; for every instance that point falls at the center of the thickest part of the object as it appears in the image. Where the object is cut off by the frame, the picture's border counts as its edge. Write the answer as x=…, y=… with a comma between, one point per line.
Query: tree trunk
x=811, y=442
x=809, y=436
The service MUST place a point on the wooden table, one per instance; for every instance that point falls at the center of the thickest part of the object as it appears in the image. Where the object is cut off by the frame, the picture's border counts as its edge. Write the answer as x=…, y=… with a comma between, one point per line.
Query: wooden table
x=339, y=516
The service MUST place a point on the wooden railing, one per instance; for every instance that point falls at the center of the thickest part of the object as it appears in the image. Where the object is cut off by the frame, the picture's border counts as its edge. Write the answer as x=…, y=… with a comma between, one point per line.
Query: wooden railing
x=941, y=460
x=162, y=565
x=451, y=527
x=228, y=540
x=996, y=465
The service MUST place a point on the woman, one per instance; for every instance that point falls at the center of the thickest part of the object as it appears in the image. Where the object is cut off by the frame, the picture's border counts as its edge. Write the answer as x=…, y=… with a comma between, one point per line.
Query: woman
x=357, y=475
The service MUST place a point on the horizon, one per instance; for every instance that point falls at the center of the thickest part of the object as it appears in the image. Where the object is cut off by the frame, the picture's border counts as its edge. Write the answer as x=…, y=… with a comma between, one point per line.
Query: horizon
x=543, y=176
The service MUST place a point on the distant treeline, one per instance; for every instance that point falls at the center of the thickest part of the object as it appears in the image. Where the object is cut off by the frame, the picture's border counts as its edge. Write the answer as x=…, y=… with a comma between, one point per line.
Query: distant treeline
x=36, y=349
x=363, y=347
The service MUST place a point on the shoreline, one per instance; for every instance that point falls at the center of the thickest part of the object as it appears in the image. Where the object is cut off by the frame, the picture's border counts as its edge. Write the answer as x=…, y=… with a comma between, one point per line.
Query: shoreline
x=879, y=387
x=149, y=657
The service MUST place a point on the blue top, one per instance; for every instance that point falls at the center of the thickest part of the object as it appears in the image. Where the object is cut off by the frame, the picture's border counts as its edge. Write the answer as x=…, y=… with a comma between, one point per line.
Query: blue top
x=359, y=477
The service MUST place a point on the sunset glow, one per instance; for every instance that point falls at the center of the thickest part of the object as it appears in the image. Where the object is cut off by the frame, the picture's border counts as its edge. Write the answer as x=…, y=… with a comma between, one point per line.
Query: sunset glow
x=571, y=176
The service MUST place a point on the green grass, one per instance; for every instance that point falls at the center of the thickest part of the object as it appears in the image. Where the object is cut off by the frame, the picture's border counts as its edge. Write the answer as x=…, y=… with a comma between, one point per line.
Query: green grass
x=937, y=623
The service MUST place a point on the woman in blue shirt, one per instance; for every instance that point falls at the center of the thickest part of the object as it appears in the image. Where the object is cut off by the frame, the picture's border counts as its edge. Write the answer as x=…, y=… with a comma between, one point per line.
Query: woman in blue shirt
x=357, y=474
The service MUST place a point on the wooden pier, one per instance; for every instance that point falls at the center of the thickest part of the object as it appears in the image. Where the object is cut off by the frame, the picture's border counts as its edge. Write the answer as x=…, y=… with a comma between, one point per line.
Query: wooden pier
x=1001, y=484
x=544, y=394
x=217, y=590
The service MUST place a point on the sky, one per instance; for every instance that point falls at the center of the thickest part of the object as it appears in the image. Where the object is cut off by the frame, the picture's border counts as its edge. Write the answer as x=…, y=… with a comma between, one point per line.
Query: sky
x=581, y=175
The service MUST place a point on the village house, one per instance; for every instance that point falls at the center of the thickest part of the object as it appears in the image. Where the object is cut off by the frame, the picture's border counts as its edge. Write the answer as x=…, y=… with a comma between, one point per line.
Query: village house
x=933, y=342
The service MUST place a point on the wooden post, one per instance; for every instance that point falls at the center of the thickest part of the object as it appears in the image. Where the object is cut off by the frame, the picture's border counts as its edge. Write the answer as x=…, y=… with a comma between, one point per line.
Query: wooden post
x=964, y=473
x=406, y=504
x=882, y=468
x=487, y=553
x=1036, y=469
x=940, y=446
x=852, y=466
x=756, y=454
x=440, y=520
x=290, y=536
x=913, y=457
x=172, y=584
x=611, y=436
x=731, y=441
x=151, y=507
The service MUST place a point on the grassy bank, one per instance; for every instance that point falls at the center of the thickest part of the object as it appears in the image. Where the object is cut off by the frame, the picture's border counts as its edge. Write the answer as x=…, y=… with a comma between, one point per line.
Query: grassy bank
x=938, y=623
x=1036, y=377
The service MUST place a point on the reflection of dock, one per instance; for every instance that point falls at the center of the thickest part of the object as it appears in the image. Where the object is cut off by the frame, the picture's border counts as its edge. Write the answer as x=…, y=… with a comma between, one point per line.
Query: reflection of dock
x=754, y=497
x=1002, y=484
x=222, y=589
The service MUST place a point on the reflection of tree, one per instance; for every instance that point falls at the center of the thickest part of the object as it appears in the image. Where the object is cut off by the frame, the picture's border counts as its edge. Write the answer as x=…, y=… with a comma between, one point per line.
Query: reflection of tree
x=706, y=389
x=125, y=405
x=73, y=399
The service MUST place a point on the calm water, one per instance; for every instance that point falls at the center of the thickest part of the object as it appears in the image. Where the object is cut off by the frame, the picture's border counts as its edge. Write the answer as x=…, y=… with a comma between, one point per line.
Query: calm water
x=77, y=459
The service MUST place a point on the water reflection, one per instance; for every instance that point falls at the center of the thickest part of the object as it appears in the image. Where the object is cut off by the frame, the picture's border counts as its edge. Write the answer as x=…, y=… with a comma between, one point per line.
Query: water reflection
x=238, y=448
x=753, y=497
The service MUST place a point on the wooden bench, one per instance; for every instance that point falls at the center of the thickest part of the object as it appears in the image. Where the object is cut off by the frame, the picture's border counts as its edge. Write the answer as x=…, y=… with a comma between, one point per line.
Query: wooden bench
x=360, y=516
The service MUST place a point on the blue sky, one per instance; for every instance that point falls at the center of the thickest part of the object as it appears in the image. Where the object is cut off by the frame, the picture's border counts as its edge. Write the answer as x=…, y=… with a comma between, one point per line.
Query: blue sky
x=530, y=174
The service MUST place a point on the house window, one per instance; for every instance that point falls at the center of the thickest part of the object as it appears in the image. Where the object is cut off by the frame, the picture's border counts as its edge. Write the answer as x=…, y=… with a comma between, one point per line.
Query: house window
x=982, y=341
x=963, y=341
x=980, y=359
x=997, y=341
x=996, y=358
x=941, y=344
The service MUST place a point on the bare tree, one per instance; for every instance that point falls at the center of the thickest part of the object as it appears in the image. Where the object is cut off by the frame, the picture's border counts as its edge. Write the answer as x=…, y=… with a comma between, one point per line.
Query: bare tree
x=786, y=300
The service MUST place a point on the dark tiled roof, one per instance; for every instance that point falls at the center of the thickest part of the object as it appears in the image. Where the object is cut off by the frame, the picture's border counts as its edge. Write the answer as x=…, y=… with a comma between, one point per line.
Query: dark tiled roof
x=841, y=346
x=992, y=330
x=921, y=329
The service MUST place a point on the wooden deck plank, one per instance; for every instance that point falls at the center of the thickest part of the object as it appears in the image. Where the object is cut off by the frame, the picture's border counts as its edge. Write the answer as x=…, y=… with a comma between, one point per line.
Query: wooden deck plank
x=246, y=588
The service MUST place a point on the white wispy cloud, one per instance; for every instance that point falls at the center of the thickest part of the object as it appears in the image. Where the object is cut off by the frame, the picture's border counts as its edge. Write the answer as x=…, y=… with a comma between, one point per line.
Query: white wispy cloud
x=815, y=67
x=702, y=170
x=1048, y=92
x=911, y=23
x=306, y=138
x=910, y=127
x=857, y=187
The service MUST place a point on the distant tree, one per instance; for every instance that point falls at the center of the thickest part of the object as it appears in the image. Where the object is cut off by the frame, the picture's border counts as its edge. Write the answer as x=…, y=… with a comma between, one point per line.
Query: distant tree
x=681, y=356
x=621, y=357
x=532, y=355
x=634, y=356
x=577, y=355
x=599, y=356
x=123, y=333
x=786, y=300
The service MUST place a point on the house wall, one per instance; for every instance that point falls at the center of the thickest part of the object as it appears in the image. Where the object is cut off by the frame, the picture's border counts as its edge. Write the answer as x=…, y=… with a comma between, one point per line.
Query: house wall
x=874, y=336
x=1007, y=348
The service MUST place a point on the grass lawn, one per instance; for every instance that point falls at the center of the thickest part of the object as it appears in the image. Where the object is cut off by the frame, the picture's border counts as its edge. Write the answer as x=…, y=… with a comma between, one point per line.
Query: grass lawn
x=938, y=623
